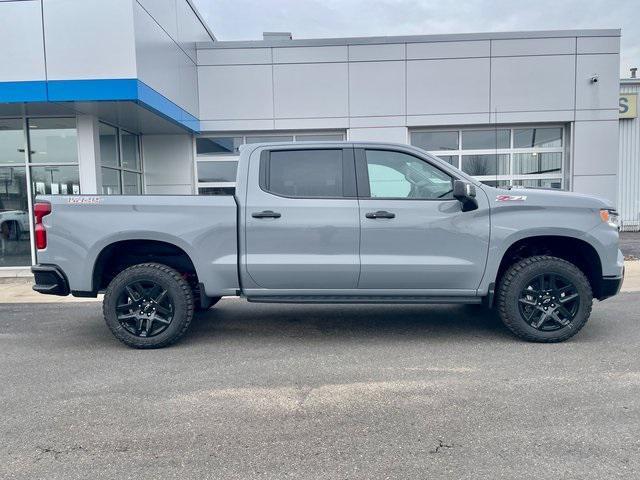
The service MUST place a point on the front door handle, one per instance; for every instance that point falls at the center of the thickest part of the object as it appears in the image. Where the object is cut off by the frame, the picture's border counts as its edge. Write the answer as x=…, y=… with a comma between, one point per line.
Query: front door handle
x=380, y=214
x=266, y=214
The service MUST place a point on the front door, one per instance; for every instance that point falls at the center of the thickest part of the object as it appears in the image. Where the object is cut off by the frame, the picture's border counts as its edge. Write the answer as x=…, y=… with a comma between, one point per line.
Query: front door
x=414, y=234
x=302, y=225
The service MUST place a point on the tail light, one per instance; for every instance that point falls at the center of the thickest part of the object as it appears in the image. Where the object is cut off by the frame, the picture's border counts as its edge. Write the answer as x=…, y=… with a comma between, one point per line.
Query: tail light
x=41, y=210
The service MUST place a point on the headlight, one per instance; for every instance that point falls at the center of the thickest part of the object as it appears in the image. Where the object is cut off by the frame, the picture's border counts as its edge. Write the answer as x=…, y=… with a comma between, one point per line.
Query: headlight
x=611, y=217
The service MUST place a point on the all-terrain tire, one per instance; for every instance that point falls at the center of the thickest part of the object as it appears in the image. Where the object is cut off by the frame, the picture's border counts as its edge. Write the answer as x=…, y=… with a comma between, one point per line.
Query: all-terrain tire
x=516, y=279
x=178, y=290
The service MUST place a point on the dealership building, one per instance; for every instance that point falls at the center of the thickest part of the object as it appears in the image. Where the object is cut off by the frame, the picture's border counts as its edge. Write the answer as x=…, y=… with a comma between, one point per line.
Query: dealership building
x=138, y=96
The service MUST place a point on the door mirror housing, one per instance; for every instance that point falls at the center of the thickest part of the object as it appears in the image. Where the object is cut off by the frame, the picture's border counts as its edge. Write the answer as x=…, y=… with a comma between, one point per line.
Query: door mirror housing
x=465, y=193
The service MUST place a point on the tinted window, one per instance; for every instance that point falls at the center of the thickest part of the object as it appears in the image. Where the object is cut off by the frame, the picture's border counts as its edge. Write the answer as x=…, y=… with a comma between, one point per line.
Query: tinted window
x=218, y=145
x=537, y=137
x=489, y=164
x=217, y=171
x=399, y=175
x=485, y=139
x=305, y=173
x=432, y=141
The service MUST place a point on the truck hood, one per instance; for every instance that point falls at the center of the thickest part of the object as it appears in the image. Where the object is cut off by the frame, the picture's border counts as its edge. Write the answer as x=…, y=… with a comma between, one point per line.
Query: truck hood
x=528, y=197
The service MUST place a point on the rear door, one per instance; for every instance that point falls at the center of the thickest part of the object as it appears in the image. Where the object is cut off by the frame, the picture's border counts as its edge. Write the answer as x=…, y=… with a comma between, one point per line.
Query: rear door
x=302, y=219
x=414, y=233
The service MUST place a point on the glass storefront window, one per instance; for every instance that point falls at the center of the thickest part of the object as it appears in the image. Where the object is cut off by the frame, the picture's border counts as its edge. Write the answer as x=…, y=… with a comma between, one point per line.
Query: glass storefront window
x=55, y=180
x=486, y=164
x=217, y=171
x=132, y=184
x=218, y=146
x=486, y=139
x=537, y=163
x=450, y=159
x=537, y=137
x=53, y=140
x=15, y=249
x=11, y=141
x=111, y=182
x=555, y=183
x=130, y=151
x=109, y=145
x=502, y=155
x=435, y=141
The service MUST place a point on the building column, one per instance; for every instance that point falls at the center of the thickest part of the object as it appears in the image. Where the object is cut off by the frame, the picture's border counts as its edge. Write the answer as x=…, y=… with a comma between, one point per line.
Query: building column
x=89, y=154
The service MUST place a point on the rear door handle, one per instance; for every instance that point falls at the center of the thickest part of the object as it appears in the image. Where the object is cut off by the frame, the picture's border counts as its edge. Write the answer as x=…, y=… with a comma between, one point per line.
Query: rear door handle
x=266, y=214
x=380, y=214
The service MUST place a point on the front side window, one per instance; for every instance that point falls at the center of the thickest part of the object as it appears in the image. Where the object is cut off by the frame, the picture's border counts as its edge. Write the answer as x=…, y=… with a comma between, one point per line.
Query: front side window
x=400, y=175
x=305, y=173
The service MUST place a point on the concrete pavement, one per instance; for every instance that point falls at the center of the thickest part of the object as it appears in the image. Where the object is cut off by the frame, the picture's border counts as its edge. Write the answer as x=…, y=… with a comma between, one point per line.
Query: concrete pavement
x=310, y=391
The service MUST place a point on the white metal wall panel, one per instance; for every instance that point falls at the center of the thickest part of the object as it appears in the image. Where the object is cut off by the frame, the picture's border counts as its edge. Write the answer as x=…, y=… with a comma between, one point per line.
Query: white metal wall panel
x=532, y=83
x=91, y=39
x=313, y=90
x=603, y=93
x=236, y=92
x=22, y=52
x=431, y=50
x=310, y=54
x=447, y=86
x=234, y=56
x=629, y=168
x=162, y=64
x=364, y=53
x=164, y=12
x=168, y=163
x=366, y=82
x=599, y=45
x=595, y=150
x=533, y=46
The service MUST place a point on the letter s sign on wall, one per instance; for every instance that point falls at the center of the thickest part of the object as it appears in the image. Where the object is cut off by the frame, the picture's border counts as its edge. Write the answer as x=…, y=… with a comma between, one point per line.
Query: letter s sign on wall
x=628, y=104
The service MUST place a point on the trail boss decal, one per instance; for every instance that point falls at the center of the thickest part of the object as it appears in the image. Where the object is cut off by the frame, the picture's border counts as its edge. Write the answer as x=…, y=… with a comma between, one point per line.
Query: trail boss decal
x=511, y=198
x=84, y=200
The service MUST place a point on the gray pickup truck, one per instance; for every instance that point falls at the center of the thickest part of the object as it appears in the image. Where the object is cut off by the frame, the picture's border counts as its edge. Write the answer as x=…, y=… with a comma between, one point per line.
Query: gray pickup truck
x=333, y=223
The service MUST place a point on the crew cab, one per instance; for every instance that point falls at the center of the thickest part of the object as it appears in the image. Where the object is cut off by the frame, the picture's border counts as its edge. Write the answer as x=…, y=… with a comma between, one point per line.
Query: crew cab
x=343, y=222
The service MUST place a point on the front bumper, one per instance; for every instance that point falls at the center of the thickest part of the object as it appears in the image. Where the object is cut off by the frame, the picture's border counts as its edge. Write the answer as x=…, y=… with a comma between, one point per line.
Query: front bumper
x=610, y=286
x=50, y=280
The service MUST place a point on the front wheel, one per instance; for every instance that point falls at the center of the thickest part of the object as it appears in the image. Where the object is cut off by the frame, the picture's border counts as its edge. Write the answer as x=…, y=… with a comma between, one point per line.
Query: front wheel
x=149, y=305
x=544, y=299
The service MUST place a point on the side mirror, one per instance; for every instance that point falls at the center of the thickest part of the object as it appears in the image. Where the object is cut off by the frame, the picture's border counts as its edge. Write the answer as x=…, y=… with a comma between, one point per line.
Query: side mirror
x=465, y=193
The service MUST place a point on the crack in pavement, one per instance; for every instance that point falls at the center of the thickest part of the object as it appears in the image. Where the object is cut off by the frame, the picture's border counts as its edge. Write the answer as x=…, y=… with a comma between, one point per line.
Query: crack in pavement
x=441, y=445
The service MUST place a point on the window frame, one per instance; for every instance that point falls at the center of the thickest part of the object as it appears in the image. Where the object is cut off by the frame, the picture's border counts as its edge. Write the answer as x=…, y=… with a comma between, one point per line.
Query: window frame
x=120, y=168
x=349, y=182
x=233, y=157
x=509, y=177
x=362, y=175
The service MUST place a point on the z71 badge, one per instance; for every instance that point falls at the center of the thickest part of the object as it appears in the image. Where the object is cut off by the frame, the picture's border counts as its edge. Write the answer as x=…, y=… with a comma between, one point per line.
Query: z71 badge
x=511, y=198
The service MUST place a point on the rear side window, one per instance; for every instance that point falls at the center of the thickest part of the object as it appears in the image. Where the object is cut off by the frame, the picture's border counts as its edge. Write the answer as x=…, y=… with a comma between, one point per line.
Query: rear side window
x=304, y=173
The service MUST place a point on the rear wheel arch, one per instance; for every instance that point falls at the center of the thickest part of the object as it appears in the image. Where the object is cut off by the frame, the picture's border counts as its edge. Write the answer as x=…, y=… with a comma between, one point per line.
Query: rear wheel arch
x=120, y=255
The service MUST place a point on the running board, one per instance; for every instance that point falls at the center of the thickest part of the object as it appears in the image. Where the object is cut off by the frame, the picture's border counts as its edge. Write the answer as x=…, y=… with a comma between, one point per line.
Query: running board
x=361, y=299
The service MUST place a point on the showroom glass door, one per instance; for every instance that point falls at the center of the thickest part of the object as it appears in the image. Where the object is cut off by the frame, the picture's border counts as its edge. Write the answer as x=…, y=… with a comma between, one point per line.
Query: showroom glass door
x=15, y=249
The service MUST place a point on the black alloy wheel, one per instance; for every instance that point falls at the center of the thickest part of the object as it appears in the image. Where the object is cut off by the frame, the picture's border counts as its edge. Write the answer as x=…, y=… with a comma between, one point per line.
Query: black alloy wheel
x=544, y=299
x=549, y=302
x=144, y=308
x=149, y=305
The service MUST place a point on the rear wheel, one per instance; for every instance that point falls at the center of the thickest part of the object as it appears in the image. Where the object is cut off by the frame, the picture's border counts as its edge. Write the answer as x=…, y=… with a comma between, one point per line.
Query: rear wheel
x=544, y=299
x=148, y=305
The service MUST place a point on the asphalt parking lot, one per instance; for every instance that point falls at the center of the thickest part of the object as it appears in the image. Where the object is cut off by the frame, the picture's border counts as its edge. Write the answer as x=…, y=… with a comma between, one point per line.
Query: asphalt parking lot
x=332, y=392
